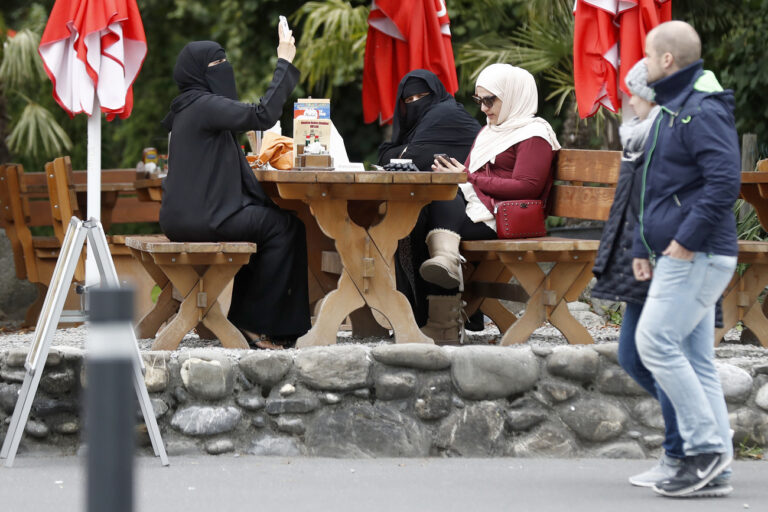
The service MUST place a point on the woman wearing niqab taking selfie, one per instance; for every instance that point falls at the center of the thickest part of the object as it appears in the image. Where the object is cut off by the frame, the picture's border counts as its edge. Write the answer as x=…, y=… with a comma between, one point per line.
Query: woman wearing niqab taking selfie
x=212, y=195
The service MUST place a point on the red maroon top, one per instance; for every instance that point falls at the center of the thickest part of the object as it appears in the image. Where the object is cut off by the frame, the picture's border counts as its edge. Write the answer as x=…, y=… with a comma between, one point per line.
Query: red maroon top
x=520, y=172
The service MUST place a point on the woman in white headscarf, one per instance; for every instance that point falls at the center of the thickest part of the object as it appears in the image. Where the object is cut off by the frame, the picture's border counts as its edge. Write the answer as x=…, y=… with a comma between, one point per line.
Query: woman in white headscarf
x=512, y=158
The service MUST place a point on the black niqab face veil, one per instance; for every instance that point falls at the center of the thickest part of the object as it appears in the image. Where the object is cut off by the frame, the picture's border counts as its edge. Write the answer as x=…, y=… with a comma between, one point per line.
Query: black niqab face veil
x=408, y=115
x=195, y=77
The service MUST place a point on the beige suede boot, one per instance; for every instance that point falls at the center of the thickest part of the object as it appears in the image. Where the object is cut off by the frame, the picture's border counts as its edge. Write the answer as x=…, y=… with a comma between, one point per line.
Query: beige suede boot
x=445, y=324
x=443, y=268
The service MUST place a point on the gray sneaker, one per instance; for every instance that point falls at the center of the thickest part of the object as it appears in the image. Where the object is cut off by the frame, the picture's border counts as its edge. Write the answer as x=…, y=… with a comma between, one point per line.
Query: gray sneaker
x=717, y=488
x=665, y=468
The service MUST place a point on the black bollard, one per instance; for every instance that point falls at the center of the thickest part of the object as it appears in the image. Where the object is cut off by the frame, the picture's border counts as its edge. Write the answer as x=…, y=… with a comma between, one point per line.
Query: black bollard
x=109, y=401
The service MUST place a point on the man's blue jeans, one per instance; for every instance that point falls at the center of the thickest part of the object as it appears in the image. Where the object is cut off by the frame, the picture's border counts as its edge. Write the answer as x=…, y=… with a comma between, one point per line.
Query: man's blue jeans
x=629, y=359
x=675, y=339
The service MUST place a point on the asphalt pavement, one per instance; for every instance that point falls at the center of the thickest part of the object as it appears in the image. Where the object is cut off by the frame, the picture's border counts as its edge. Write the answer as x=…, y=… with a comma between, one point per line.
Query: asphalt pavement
x=230, y=483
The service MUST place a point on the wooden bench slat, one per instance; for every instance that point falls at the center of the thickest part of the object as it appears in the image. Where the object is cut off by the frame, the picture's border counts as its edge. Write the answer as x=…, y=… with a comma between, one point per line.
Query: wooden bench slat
x=587, y=165
x=593, y=203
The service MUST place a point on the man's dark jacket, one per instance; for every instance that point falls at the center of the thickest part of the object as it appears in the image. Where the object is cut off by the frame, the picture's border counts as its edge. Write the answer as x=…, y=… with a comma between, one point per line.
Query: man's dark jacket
x=692, y=170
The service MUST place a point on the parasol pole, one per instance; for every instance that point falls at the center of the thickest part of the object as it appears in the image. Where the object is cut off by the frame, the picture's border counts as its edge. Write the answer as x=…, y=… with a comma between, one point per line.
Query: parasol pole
x=94, y=184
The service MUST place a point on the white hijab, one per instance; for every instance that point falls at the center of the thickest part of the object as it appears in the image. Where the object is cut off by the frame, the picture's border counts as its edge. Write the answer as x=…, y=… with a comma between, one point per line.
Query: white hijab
x=516, y=89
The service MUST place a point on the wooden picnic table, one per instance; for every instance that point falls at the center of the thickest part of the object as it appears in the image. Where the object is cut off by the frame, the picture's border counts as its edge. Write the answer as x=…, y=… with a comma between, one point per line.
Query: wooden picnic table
x=754, y=190
x=365, y=214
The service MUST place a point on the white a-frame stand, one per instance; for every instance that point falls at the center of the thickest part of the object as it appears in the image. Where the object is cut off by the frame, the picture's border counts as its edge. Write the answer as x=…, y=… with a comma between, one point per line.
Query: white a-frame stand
x=49, y=319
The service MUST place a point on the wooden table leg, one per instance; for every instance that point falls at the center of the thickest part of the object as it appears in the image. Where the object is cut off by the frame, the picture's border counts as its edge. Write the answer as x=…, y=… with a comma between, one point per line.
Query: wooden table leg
x=369, y=271
x=215, y=280
x=333, y=310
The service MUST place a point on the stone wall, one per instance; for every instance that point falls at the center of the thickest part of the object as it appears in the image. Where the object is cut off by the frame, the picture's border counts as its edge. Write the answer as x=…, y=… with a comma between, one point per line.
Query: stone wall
x=390, y=401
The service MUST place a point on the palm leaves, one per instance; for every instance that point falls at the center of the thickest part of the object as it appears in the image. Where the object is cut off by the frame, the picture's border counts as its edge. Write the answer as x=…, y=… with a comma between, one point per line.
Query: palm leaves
x=332, y=44
x=35, y=132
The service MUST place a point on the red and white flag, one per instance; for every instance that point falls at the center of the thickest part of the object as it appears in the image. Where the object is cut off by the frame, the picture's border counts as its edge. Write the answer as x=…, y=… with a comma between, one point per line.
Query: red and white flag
x=403, y=36
x=94, y=47
x=608, y=39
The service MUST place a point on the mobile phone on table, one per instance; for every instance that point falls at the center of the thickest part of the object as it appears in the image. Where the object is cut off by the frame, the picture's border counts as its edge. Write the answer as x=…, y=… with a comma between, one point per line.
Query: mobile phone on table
x=284, y=26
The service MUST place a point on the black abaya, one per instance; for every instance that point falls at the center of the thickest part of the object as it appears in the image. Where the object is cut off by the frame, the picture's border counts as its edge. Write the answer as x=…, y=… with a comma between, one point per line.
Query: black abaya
x=211, y=194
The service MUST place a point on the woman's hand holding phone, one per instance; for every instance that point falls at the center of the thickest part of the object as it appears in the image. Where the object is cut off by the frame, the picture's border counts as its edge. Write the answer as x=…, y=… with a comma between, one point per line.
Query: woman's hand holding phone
x=444, y=164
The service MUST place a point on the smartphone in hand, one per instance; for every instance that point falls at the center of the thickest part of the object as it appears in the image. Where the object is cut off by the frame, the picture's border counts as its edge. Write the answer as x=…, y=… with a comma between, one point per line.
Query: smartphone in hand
x=284, y=26
x=440, y=157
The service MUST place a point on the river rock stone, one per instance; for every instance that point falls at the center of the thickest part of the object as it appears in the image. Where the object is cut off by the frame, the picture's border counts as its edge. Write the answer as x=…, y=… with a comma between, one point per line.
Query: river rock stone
x=547, y=441
x=615, y=381
x=155, y=378
x=287, y=389
x=609, y=351
x=749, y=426
x=67, y=427
x=577, y=363
x=475, y=431
x=259, y=421
x=13, y=374
x=58, y=382
x=594, y=420
x=541, y=350
x=267, y=367
x=300, y=402
x=648, y=412
x=16, y=357
x=737, y=383
x=481, y=373
x=362, y=430
x=589, y=319
x=412, y=355
x=251, y=400
x=219, y=446
x=621, y=450
x=293, y=426
x=37, y=429
x=159, y=407
x=653, y=440
x=394, y=385
x=42, y=407
x=339, y=368
x=434, y=398
x=519, y=420
x=330, y=398
x=761, y=399
x=205, y=420
x=209, y=380
x=273, y=446
x=9, y=393
x=363, y=393
x=559, y=391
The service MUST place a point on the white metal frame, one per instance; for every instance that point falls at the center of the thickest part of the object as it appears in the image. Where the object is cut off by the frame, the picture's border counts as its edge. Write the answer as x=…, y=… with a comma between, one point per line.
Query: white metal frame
x=51, y=316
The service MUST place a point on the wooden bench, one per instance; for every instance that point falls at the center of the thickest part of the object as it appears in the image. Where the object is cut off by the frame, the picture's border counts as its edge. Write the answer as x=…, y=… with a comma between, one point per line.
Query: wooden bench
x=199, y=272
x=584, y=189
x=28, y=203
x=34, y=256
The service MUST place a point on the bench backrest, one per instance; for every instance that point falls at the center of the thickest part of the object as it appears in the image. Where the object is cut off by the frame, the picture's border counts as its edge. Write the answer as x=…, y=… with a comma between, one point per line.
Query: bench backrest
x=585, y=181
x=127, y=209
x=15, y=221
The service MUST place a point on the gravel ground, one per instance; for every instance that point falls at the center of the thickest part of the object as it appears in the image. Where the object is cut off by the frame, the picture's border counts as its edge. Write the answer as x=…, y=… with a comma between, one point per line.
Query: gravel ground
x=11, y=337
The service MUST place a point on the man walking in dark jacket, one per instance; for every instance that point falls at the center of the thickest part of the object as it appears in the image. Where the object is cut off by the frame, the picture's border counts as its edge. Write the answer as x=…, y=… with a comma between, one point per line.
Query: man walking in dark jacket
x=686, y=242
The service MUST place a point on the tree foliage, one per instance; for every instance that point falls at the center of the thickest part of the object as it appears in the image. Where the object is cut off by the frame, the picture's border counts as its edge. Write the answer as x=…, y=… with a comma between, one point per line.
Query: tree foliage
x=536, y=34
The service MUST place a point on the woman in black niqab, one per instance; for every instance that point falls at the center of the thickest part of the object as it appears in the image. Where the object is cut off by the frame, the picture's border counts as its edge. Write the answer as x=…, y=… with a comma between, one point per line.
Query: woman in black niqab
x=211, y=194
x=435, y=123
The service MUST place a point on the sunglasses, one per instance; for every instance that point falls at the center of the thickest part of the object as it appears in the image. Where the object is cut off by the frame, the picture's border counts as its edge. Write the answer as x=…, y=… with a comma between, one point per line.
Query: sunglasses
x=488, y=101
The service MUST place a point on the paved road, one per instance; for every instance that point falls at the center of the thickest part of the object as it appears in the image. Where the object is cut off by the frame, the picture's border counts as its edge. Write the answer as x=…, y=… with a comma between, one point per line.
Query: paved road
x=228, y=483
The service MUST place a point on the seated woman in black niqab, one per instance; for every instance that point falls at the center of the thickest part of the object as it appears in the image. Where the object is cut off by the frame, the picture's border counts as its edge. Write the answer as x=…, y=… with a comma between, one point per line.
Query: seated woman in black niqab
x=211, y=194
x=428, y=121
